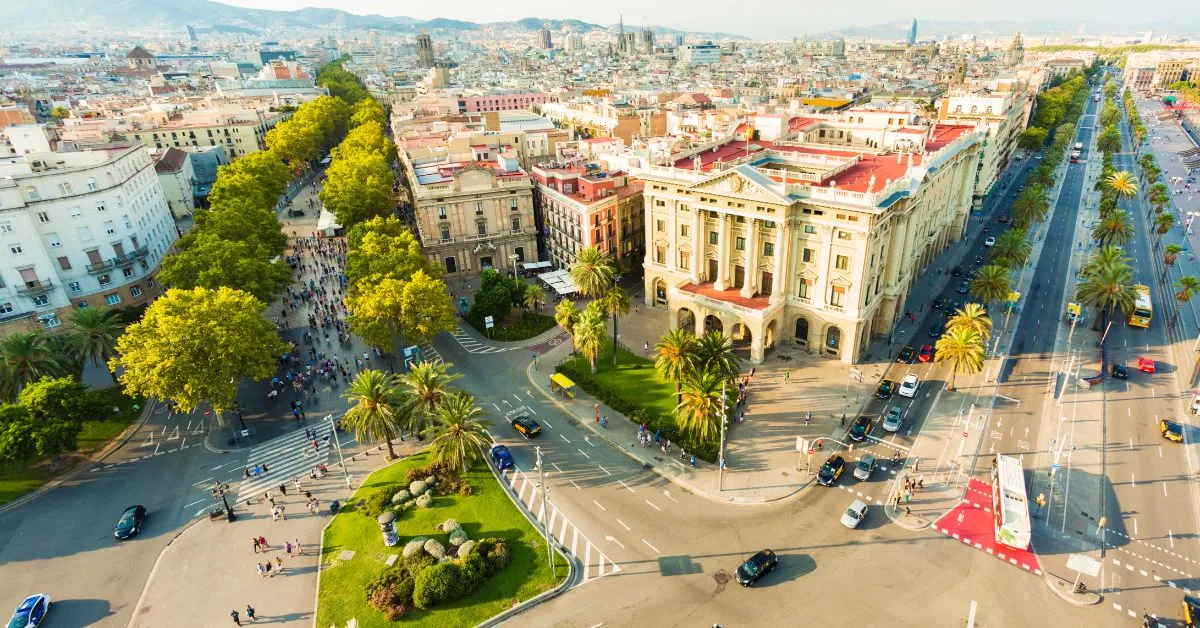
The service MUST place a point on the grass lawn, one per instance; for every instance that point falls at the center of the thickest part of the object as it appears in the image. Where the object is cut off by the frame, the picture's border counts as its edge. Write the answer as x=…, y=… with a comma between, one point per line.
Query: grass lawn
x=17, y=479
x=486, y=513
x=634, y=378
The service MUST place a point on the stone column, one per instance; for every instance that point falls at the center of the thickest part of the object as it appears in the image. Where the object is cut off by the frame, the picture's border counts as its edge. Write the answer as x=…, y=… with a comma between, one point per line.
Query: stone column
x=779, y=283
x=748, y=287
x=698, y=259
x=722, y=281
x=758, y=346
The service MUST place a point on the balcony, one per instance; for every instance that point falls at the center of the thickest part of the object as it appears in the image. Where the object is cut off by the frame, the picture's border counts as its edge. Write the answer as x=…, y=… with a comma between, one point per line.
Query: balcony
x=100, y=267
x=128, y=258
x=36, y=287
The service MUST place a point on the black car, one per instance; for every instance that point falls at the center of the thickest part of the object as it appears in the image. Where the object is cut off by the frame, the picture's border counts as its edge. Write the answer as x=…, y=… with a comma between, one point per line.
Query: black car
x=1119, y=371
x=831, y=470
x=526, y=426
x=964, y=287
x=886, y=388
x=861, y=428
x=756, y=567
x=907, y=355
x=130, y=522
x=936, y=329
x=939, y=302
x=957, y=272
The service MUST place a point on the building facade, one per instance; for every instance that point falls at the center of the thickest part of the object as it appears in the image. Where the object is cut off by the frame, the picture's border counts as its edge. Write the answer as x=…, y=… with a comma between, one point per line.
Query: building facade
x=177, y=178
x=240, y=133
x=1002, y=113
x=83, y=229
x=584, y=205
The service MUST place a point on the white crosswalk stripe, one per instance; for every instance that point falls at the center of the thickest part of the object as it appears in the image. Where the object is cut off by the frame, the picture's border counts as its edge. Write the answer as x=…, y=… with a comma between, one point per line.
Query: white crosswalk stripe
x=472, y=345
x=285, y=456
x=595, y=562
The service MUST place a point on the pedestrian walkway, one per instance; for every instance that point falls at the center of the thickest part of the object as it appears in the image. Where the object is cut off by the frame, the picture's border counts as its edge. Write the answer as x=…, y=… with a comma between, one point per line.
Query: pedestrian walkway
x=595, y=563
x=472, y=344
x=289, y=455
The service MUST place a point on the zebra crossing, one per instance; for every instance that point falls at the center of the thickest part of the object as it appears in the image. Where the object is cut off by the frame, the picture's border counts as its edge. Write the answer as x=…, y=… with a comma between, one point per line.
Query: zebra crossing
x=285, y=456
x=473, y=345
x=595, y=563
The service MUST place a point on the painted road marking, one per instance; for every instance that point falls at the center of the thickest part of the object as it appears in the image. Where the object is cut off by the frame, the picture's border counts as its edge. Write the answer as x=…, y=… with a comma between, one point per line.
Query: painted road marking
x=599, y=506
x=626, y=486
x=627, y=528
x=651, y=546
x=652, y=505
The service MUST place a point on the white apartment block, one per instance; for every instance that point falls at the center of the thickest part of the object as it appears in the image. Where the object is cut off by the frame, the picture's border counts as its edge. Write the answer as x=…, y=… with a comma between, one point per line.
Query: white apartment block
x=1002, y=113
x=77, y=230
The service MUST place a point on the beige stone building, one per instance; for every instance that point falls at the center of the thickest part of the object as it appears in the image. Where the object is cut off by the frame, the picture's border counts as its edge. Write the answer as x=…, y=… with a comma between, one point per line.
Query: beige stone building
x=813, y=243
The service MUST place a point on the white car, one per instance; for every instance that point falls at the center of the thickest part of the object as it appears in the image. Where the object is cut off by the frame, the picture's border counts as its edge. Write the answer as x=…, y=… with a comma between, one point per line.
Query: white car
x=854, y=514
x=990, y=241
x=893, y=419
x=908, y=387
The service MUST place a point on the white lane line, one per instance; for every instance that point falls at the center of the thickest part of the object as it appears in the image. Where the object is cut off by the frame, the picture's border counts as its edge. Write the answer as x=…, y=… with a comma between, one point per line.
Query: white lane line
x=651, y=546
x=1164, y=489
x=627, y=528
x=568, y=442
x=1130, y=443
x=652, y=505
x=584, y=455
x=1160, y=451
x=626, y=486
x=1132, y=480
x=497, y=408
x=1135, y=527
x=556, y=467
x=575, y=485
x=599, y=506
x=604, y=470
x=219, y=466
x=193, y=503
x=668, y=494
x=1171, y=538
x=971, y=615
x=201, y=482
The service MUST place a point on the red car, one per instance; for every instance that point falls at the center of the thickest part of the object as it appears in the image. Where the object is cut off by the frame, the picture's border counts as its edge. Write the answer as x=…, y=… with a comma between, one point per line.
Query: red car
x=1003, y=219
x=926, y=354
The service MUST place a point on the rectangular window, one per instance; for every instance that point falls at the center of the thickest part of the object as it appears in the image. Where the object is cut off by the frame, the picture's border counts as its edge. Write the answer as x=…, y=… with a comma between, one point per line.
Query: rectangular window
x=52, y=240
x=660, y=255
x=100, y=207
x=516, y=223
x=127, y=272
x=843, y=235
x=15, y=248
x=85, y=234
x=445, y=234
x=51, y=321
x=43, y=217
x=64, y=263
x=841, y=262
x=810, y=229
x=481, y=228
x=713, y=237
x=685, y=260
x=683, y=230
x=109, y=227
x=6, y=308
x=104, y=280
x=6, y=227
x=75, y=213
x=837, y=295
x=808, y=255
x=112, y=299
x=41, y=300
x=769, y=249
x=739, y=243
x=82, y=304
x=478, y=208
x=441, y=212
x=660, y=225
x=803, y=287
x=135, y=291
x=75, y=287
x=512, y=205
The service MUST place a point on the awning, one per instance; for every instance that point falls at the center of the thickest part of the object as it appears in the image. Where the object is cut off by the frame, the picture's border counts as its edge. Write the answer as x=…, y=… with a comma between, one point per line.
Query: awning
x=562, y=380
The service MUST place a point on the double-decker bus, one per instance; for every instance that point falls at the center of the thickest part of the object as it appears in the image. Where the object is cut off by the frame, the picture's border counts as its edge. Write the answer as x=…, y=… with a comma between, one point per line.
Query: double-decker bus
x=1010, y=506
x=1143, y=311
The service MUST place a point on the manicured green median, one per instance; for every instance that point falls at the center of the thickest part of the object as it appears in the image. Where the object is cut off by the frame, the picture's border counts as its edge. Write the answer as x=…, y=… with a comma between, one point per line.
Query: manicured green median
x=487, y=512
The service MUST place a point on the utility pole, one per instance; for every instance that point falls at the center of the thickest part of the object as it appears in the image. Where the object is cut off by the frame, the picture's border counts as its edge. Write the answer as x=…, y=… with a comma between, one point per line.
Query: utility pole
x=545, y=522
x=338, y=444
x=721, y=451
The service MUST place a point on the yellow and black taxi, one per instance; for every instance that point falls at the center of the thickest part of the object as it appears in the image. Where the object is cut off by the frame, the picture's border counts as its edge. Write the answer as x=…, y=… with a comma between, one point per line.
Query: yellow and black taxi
x=526, y=426
x=756, y=567
x=1191, y=611
x=861, y=428
x=886, y=388
x=1171, y=430
x=907, y=355
x=831, y=470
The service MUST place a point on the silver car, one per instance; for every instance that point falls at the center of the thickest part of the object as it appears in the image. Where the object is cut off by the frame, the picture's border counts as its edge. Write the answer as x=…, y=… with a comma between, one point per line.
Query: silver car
x=893, y=419
x=854, y=514
x=862, y=470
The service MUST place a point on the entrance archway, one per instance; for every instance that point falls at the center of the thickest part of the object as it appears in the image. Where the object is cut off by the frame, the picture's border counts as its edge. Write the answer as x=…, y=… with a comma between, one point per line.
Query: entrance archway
x=769, y=336
x=833, y=340
x=684, y=319
x=802, y=331
x=712, y=323
x=741, y=336
x=660, y=292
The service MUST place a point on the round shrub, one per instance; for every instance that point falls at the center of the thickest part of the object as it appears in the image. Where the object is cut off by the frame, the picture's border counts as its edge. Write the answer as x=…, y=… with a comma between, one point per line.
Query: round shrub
x=435, y=548
x=418, y=487
x=410, y=503
x=439, y=583
x=425, y=501
x=428, y=492
x=458, y=537
x=400, y=497
x=376, y=503
x=418, y=562
x=474, y=567
x=449, y=526
x=495, y=552
x=464, y=550
x=413, y=547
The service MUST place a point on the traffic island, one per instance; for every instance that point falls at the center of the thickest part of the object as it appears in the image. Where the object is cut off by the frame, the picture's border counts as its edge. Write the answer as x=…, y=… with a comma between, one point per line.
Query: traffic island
x=1069, y=591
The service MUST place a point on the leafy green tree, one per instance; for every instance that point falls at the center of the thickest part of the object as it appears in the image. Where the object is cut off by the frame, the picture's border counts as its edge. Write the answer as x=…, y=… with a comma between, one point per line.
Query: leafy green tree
x=368, y=110
x=24, y=437
x=330, y=115
x=1170, y=253
x=675, y=357
x=589, y=333
x=297, y=142
x=457, y=437
x=427, y=386
x=1042, y=176
x=616, y=304
x=383, y=247
x=25, y=357
x=1163, y=223
x=211, y=262
x=240, y=220
x=259, y=177
x=1186, y=288
x=1030, y=206
x=59, y=113
x=1033, y=138
x=698, y=413
x=962, y=348
x=1108, y=257
x=367, y=138
x=415, y=310
x=1121, y=184
x=1109, y=140
x=92, y=336
x=193, y=346
x=359, y=188
x=972, y=316
x=535, y=296
x=1107, y=289
x=375, y=408
x=714, y=352
x=1012, y=249
x=992, y=283
x=592, y=272
x=60, y=398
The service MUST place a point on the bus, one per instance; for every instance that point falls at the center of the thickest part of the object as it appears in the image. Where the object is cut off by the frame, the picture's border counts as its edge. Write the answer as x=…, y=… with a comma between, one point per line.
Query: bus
x=1143, y=311
x=1010, y=506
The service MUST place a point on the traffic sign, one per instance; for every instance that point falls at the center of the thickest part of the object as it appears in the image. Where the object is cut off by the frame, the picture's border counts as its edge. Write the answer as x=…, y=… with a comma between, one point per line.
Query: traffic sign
x=1054, y=467
x=1083, y=564
x=812, y=451
x=488, y=322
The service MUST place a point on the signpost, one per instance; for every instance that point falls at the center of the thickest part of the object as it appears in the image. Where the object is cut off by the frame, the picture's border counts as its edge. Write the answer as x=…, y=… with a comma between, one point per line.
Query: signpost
x=1082, y=564
x=412, y=356
x=489, y=323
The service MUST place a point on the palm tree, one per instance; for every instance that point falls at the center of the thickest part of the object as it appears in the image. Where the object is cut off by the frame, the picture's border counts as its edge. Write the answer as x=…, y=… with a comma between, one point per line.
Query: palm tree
x=1107, y=289
x=675, y=357
x=565, y=315
x=93, y=335
x=1011, y=249
x=1113, y=229
x=714, y=352
x=1031, y=206
x=25, y=357
x=972, y=316
x=375, y=414
x=1171, y=252
x=963, y=348
x=533, y=297
x=428, y=385
x=1163, y=223
x=698, y=413
x=592, y=271
x=1106, y=258
x=1042, y=176
x=457, y=436
x=1187, y=288
x=589, y=334
x=1121, y=184
x=991, y=283
x=616, y=304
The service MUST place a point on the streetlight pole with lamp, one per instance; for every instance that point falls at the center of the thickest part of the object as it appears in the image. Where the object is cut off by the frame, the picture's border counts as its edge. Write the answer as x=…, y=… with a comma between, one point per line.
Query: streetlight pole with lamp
x=221, y=489
x=721, y=451
x=545, y=522
x=338, y=444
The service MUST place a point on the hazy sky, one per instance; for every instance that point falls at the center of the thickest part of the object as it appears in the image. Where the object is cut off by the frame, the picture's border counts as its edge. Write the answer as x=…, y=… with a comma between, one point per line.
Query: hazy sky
x=753, y=18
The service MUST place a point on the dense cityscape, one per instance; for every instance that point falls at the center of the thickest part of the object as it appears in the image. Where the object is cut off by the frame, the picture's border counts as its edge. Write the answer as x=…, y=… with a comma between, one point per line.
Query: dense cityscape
x=549, y=322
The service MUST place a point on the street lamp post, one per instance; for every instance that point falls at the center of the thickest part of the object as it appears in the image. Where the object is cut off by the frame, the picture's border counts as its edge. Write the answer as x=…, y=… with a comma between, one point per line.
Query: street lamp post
x=545, y=522
x=221, y=489
x=338, y=444
x=513, y=258
x=721, y=450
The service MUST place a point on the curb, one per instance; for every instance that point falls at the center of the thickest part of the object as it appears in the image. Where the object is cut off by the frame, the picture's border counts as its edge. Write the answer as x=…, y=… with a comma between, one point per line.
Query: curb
x=111, y=447
x=154, y=570
x=1063, y=588
x=899, y=520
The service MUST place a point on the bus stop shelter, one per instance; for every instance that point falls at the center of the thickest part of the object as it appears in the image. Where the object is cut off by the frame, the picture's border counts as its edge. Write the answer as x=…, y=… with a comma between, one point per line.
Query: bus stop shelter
x=562, y=384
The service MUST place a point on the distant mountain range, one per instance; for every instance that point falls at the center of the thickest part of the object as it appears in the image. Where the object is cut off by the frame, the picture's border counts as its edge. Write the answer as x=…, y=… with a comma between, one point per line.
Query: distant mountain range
x=208, y=16
x=937, y=29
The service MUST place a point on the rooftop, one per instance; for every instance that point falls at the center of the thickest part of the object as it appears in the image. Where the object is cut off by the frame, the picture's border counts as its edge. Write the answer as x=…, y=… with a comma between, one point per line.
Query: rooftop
x=444, y=171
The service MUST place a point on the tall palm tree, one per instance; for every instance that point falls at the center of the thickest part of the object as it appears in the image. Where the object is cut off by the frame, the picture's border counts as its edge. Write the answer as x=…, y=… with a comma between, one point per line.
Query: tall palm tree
x=25, y=357
x=675, y=357
x=565, y=314
x=1031, y=206
x=991, y=283
x=592, y=271
x=972, y=316
x=375, y=414
x=616, y=304
x=1113, y=229
x=714, y=352
x=1163, y=223
x=1106, y=258
x=427, y=386
x=457, y=436
x=1187, y=287
x=1042, y=176
x=589, y=334
x=962, y=348
x=1171, y=252
x=1122, y=184
x=1107, y=289
x=93, y=335
x=699, y=411
x=1012, y=248
x=533, y=297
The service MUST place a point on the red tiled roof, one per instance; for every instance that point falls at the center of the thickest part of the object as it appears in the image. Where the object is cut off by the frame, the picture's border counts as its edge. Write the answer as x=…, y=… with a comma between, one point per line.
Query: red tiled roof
x=943, y=134
x=799, y=122
x=170, y=160
x=731, y=295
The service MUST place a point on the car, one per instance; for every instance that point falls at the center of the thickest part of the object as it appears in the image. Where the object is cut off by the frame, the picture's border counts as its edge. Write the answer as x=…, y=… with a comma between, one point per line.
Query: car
x=936, y=329
x=893, y=419
x=502, y=457
x=1171, y=430
x=907, y=355
x=926, y=354
x=526, y=426
x=939, y=302
x=862, y=470
x=1003, y=219
x=854, y=514
x=971, y=274
x=130, y=522
x=1145, y=365
x=1119, y=371
x=964, y=287
x=1021, y=188
x=990, y=241
x=886, y=388
x=957, y=271
x=831, y=470
x=1074, y=160
x=757, y=566
x=861, y=428
x=31, y=612
x=908, y=387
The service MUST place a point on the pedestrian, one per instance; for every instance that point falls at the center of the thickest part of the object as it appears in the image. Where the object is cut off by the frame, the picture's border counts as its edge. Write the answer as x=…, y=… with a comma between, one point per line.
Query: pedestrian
x=262, y=572
x=236, y=619
x=283, y=489
x=307, y=494
x=264, y=468
x=274, y=513
x=282, y=514
x=288, y=547
x=917, y=465
x=262, y=541
x=299, y=548
x=908, y=497
x=787, y=376
x=257, y=547
x=250, y=612
x=296, y=481
x=921, y=481
x=247, y=474
x=257, y=470
x=267, y=566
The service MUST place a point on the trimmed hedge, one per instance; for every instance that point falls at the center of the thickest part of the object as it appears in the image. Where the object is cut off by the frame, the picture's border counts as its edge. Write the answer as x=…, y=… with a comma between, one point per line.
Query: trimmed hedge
x=531, y=324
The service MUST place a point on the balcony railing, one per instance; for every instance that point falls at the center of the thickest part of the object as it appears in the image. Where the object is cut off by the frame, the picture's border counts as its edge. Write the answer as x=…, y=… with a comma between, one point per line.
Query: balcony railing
x=36, y=287
x=128, y=258
x=100, y=267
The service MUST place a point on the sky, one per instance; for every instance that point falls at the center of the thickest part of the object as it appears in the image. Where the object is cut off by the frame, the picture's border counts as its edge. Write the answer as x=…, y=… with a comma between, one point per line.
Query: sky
x=760, y=19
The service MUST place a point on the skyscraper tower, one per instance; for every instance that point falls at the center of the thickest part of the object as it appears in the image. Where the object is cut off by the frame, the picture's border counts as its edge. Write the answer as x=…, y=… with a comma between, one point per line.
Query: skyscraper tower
x=547, y=42
x=912, y=32
x=425, y=57
x=1016, y=53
